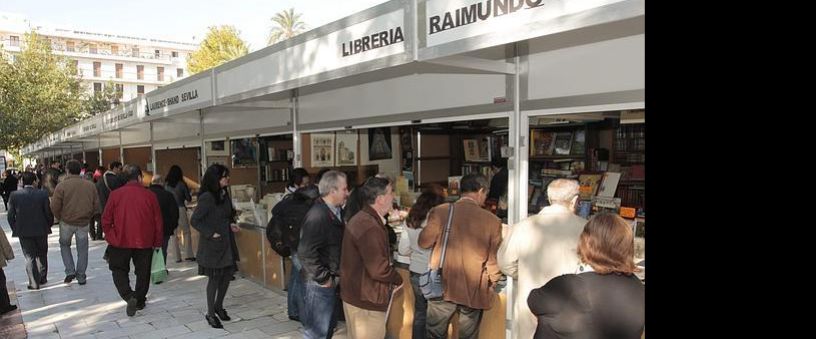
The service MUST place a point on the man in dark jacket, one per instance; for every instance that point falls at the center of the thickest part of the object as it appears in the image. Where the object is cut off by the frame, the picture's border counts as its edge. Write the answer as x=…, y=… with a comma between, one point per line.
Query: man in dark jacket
x=110, y=181
x=8, y=186
x=365, y=263
x=133, y=223
x=30, y=219
x=51, y=178
x=169, y=210
x=285, y=225
x=319, y=252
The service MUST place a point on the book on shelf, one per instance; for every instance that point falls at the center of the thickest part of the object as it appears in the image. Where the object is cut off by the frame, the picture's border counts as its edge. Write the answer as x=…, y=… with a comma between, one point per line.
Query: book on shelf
x=589, y=185
x=453, y=185
x=609, y=184
x=563, y=143
x=541, y=142
x=579, y=143
x=584, y=208
x=605, y=204
x=556, y=172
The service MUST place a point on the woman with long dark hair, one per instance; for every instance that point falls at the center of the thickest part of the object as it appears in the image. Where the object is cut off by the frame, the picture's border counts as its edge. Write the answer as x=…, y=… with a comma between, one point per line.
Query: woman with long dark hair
x=415, y=222
x=217, y=253
x=175, y=184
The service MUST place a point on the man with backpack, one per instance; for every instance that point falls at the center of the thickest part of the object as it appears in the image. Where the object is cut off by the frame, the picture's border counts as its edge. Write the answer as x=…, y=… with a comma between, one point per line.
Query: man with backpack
x=283, y=232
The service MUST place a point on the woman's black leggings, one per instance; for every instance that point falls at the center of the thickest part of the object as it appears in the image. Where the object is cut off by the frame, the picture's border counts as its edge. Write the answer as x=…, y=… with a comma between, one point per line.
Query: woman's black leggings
x=216, y=291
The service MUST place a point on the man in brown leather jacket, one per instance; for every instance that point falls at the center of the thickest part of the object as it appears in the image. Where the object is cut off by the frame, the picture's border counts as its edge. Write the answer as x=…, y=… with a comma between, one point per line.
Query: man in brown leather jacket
x=365, y=263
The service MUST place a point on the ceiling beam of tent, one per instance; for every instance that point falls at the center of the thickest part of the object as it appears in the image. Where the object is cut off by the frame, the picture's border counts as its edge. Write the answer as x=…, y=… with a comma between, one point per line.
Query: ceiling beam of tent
x=267, y=104
x=468, y=62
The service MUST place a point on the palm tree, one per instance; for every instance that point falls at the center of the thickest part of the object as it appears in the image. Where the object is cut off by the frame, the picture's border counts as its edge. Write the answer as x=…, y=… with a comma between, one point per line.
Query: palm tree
x=286, y=25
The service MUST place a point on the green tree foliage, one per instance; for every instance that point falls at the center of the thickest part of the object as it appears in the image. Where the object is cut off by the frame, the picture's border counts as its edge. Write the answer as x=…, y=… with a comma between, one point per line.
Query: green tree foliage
x=103, y=101
x=221, y=44
x=286, y=24
x=39, y=93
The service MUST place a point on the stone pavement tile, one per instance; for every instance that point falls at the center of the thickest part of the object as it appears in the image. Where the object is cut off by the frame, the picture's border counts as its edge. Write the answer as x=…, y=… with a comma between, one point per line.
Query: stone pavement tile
x=207, y=333
x=82, y=329
x=252, y=334
x=44, y=336
x=256, y=313
x=84, y=336
x=198, y=325
x=124, y=332
x=241, y=326
x=289, y=335
x=143, y=317
x=280, y=328
x=163, y=333
x=165, y=323
x=41, y=330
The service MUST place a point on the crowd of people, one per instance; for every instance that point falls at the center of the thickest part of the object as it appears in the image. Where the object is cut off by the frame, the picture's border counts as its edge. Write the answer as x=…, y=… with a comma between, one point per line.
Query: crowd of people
x=575, y=278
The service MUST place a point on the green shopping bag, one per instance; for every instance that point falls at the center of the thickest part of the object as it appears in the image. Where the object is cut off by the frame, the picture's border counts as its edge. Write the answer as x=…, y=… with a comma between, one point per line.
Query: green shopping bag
x=158, y=272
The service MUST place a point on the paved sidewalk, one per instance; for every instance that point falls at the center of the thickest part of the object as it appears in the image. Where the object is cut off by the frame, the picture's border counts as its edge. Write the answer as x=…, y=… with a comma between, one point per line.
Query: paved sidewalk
x=174, y=308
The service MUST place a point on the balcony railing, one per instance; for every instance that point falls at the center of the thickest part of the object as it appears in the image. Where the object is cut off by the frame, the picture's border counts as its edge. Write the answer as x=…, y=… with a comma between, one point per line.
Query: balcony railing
x=104, y=52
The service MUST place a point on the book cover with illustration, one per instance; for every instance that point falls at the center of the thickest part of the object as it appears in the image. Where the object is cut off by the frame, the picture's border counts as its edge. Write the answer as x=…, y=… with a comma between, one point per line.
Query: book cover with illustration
x=541, y=143
x=589, y=185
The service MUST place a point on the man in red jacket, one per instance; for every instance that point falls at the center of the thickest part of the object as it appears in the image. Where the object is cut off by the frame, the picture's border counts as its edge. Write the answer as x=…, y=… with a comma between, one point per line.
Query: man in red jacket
x=132, y=222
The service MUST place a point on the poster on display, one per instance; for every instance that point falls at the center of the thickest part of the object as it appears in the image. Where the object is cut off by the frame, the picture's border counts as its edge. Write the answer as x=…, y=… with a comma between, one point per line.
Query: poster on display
x=346, y=148
x=322, y=149
x=379, y=143
x=243, y=152
x=217, y=148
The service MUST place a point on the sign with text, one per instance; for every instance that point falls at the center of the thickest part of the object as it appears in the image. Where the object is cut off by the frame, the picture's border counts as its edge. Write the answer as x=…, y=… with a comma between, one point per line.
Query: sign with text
x=452, y=20
x=122, y=116
x=177, y=99
x=369, y=40
x=90, y=127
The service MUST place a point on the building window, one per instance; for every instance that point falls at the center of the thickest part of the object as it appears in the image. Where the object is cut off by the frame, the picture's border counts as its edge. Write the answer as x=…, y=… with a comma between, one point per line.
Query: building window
x=158, y=54
x=97, y=69
x=134, y=52
x=92, y=48
x=114, y=50
x=120, y=90
x=140, y=72
x=175, y=54
x=119, y=71
x=97, y=88
x=179, y=72
x=14, y=41
x=160, y=73
x=140, y=89
x=69, y=46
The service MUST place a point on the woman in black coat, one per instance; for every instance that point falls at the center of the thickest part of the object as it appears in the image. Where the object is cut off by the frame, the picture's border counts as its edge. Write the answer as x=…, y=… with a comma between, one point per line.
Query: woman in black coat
x=606, y=300
x=217, y=253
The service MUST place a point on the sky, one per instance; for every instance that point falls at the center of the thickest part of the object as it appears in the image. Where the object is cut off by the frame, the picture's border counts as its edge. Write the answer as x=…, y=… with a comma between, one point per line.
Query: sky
x=179, y=20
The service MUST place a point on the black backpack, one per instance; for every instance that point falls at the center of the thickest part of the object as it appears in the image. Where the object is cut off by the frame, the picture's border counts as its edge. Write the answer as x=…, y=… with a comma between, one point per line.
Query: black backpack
x=283, y=230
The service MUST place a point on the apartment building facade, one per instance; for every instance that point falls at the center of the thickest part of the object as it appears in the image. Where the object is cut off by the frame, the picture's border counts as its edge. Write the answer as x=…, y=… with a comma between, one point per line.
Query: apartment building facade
x=135, y=65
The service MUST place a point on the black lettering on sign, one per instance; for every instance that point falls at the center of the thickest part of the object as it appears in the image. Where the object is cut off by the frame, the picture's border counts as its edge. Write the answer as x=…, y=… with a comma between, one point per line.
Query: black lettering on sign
x=478, y=12
x=373, y=41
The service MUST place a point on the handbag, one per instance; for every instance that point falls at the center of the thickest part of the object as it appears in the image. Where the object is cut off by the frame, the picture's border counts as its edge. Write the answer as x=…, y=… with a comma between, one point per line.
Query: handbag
x=158, y=272
x=430, y=282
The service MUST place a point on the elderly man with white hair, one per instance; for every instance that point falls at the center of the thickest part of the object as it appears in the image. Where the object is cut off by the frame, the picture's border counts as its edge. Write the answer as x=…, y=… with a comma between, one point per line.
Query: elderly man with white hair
x=540, y=248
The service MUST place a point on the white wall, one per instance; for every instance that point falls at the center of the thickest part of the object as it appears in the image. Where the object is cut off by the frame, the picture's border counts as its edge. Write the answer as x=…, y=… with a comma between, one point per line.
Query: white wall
x=607, y=66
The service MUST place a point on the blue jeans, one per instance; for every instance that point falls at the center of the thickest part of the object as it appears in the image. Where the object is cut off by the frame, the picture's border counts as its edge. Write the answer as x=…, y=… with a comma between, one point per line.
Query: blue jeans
x=317, y=311
x=420, y=309
x=294, y=295
x=66, y=234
